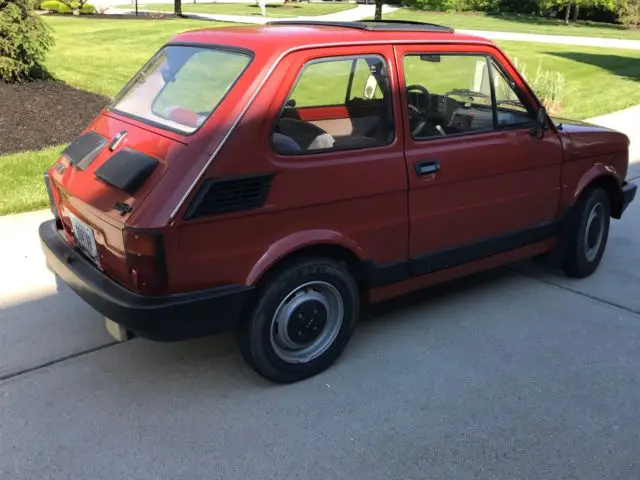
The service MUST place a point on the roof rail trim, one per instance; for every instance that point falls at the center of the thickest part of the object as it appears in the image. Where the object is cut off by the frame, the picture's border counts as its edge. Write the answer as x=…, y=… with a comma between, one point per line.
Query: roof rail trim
x=371, y=25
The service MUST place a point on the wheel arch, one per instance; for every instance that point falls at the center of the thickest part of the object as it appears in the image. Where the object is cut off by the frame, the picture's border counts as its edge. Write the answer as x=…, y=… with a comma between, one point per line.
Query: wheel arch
x=601, y=177
x=312, y=244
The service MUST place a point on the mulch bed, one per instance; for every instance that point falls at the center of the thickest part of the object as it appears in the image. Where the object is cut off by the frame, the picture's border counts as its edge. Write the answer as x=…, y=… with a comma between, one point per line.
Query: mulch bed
x=35, y=115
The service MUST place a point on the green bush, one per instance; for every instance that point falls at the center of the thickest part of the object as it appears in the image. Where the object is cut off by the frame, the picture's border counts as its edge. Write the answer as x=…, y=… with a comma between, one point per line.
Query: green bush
x=59, y=7
x=452, y=5
x=24, y=41
x=549, y=86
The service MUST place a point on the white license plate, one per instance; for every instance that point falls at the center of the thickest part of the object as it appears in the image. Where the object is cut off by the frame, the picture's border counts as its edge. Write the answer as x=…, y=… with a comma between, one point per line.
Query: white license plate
x=85, y=238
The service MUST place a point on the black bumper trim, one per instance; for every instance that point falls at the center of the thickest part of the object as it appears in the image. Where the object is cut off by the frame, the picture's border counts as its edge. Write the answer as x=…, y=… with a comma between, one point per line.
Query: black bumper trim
x=167, y=318
x=628, y=195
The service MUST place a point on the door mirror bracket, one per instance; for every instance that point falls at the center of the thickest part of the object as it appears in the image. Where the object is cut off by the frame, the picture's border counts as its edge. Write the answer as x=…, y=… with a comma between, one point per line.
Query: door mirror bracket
x=541, y=123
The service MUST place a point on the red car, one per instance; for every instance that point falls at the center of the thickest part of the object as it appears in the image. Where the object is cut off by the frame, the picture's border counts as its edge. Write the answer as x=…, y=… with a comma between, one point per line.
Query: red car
x=272, y=180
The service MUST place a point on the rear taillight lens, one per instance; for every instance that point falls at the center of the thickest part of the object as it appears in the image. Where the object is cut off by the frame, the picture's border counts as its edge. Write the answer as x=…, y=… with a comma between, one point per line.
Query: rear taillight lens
x=53, y=199
x=145, y=260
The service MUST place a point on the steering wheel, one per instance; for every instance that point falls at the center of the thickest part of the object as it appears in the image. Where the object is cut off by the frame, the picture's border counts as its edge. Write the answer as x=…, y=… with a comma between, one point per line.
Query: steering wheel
x=418, y=111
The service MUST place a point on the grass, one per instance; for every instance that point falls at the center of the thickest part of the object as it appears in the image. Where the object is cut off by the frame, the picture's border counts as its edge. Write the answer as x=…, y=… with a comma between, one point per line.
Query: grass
x=95, y=55
x=598, y=80
x=516, y=23
x=101, y=55
x=277, y=11
x=21, y=179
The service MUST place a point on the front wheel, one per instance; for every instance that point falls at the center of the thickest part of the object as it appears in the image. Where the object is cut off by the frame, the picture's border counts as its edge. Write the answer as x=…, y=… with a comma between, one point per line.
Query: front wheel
x=301, y=321
x=587, y=233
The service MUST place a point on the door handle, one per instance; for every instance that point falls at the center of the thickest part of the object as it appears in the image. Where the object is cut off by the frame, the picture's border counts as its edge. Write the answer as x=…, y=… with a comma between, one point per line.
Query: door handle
x=427, y=167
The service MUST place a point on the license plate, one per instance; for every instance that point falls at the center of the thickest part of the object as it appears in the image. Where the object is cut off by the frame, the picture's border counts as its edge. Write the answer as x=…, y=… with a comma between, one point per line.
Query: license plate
x=85, y=238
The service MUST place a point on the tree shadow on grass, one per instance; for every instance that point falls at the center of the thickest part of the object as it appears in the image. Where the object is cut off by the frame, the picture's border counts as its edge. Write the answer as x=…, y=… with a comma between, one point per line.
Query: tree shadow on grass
x=619, y=65
x=549, y=21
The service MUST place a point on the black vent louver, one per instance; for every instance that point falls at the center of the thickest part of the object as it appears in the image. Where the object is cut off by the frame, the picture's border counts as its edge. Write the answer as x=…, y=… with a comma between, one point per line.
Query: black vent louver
x=84, y=149
x=219, y=196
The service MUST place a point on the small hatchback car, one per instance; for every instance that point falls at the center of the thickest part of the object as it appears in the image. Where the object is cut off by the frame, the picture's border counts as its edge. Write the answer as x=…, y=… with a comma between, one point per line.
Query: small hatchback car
x=273, y=180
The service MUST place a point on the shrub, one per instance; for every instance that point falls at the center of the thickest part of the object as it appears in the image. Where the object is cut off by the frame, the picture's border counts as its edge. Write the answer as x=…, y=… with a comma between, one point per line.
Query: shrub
x=24, y=41
x=548, y=86
x=68, y=7
x=451, y=5
x=629, y=11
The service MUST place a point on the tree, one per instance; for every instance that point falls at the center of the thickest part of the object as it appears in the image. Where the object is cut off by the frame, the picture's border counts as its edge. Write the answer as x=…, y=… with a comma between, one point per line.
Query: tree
x=24, y=41
x=629, y=12
x=378, y=14
x=576, y=5
x=177, y=7
x=75, y=5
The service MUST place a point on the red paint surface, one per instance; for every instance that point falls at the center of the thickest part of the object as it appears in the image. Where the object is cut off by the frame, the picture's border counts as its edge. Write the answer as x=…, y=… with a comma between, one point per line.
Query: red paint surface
x=369, y=202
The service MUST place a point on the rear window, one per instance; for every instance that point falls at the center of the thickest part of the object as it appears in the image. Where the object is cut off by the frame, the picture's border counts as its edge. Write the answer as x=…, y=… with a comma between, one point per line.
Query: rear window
x=181, y=86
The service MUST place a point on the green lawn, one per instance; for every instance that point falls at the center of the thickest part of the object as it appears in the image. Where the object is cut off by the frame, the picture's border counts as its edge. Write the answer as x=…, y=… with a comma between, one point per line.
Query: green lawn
x=100, y=55
x=513, y=23
x=96, y=55
x=598, y=80
x=279, y=11
x=21, y=179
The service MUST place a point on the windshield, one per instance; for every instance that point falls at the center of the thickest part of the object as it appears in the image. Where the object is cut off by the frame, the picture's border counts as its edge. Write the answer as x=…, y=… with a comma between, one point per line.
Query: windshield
x=181, y=86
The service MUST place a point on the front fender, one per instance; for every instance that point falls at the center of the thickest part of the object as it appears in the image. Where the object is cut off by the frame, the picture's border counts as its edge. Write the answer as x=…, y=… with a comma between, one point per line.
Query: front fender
x=298, y=241
x=605, y=176
x=597, y=171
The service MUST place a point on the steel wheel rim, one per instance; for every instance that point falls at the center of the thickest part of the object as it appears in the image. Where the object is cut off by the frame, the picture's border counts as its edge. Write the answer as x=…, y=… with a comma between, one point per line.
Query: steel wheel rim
x=594, y=232
x=294, y=321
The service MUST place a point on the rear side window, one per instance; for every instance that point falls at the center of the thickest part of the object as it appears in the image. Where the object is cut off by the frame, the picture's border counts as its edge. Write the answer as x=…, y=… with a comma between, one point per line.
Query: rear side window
x=181, y=86
x=337, y=103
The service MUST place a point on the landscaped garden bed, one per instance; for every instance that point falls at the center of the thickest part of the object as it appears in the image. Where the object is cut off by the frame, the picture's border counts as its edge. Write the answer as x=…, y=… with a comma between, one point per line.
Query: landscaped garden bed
x=39, y=114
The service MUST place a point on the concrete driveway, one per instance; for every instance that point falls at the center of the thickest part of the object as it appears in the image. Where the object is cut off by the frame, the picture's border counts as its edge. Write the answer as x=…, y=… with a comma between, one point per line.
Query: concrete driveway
x=515, y=373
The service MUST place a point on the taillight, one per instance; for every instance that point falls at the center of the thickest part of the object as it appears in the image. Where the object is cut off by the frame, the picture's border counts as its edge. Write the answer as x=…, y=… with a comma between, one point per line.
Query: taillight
x=145, y=260
x=50, y=187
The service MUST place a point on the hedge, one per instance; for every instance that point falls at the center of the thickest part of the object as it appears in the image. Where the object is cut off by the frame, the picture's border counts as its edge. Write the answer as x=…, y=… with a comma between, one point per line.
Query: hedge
x=59, y=7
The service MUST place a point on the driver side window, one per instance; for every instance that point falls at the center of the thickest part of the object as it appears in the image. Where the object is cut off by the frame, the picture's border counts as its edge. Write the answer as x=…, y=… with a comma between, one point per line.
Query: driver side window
x=453, y=94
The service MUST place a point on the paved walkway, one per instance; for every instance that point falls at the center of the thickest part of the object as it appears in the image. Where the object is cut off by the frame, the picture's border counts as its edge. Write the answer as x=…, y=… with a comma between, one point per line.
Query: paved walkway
x=556, y=39
x=361, y=12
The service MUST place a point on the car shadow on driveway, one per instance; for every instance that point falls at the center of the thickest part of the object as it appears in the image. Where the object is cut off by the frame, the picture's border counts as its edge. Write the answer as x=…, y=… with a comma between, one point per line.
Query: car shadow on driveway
x=216, y=359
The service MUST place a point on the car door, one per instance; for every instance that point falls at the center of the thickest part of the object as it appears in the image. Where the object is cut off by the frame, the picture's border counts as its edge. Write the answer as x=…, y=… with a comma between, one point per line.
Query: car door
x=479, y=182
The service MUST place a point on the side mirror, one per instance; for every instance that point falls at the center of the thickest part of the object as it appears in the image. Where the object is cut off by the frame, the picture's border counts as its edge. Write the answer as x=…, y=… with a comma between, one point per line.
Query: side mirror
x=541, y=123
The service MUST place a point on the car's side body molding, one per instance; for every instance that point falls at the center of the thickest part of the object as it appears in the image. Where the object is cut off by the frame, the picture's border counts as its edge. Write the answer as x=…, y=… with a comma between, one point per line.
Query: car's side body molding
x=432, y=262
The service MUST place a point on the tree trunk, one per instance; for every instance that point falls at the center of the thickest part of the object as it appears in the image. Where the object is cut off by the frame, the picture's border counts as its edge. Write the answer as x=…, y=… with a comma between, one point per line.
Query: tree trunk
x=177, y=7
x=576, y=12
x=378, y=15
x=568, y=14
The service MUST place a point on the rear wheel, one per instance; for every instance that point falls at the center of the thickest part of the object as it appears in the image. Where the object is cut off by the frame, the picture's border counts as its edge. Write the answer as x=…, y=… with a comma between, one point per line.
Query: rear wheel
x=587, y=233
x=301, y=321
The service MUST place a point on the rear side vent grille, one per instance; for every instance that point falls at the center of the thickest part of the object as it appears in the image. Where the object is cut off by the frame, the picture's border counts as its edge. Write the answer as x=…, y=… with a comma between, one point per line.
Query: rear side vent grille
x=219, y=196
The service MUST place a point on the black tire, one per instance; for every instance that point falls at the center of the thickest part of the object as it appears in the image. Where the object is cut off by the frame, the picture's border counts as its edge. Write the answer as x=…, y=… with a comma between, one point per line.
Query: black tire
x=579, y=260
x=262, y=348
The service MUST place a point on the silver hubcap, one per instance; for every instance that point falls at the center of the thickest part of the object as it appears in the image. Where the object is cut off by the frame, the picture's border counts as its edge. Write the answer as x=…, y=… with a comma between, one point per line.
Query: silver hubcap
x=594, y=232
x=307, y=322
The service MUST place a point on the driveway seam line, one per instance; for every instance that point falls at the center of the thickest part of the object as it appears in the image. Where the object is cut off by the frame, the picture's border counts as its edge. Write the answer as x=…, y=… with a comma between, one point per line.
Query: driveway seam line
x=56, y=361
x=586, y=295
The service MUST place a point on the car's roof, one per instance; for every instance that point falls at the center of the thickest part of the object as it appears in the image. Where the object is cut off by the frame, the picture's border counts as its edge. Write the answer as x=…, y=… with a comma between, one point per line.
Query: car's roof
x=280, y=36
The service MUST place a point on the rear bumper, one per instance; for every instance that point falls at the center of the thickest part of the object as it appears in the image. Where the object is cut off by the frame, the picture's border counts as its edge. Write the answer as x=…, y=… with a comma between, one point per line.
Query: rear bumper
x=168, y=318
x=628, y=195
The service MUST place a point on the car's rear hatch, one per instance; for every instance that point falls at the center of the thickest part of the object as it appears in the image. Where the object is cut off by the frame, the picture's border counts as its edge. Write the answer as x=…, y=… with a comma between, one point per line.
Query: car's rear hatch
x=109, y=170
x=101, y=178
